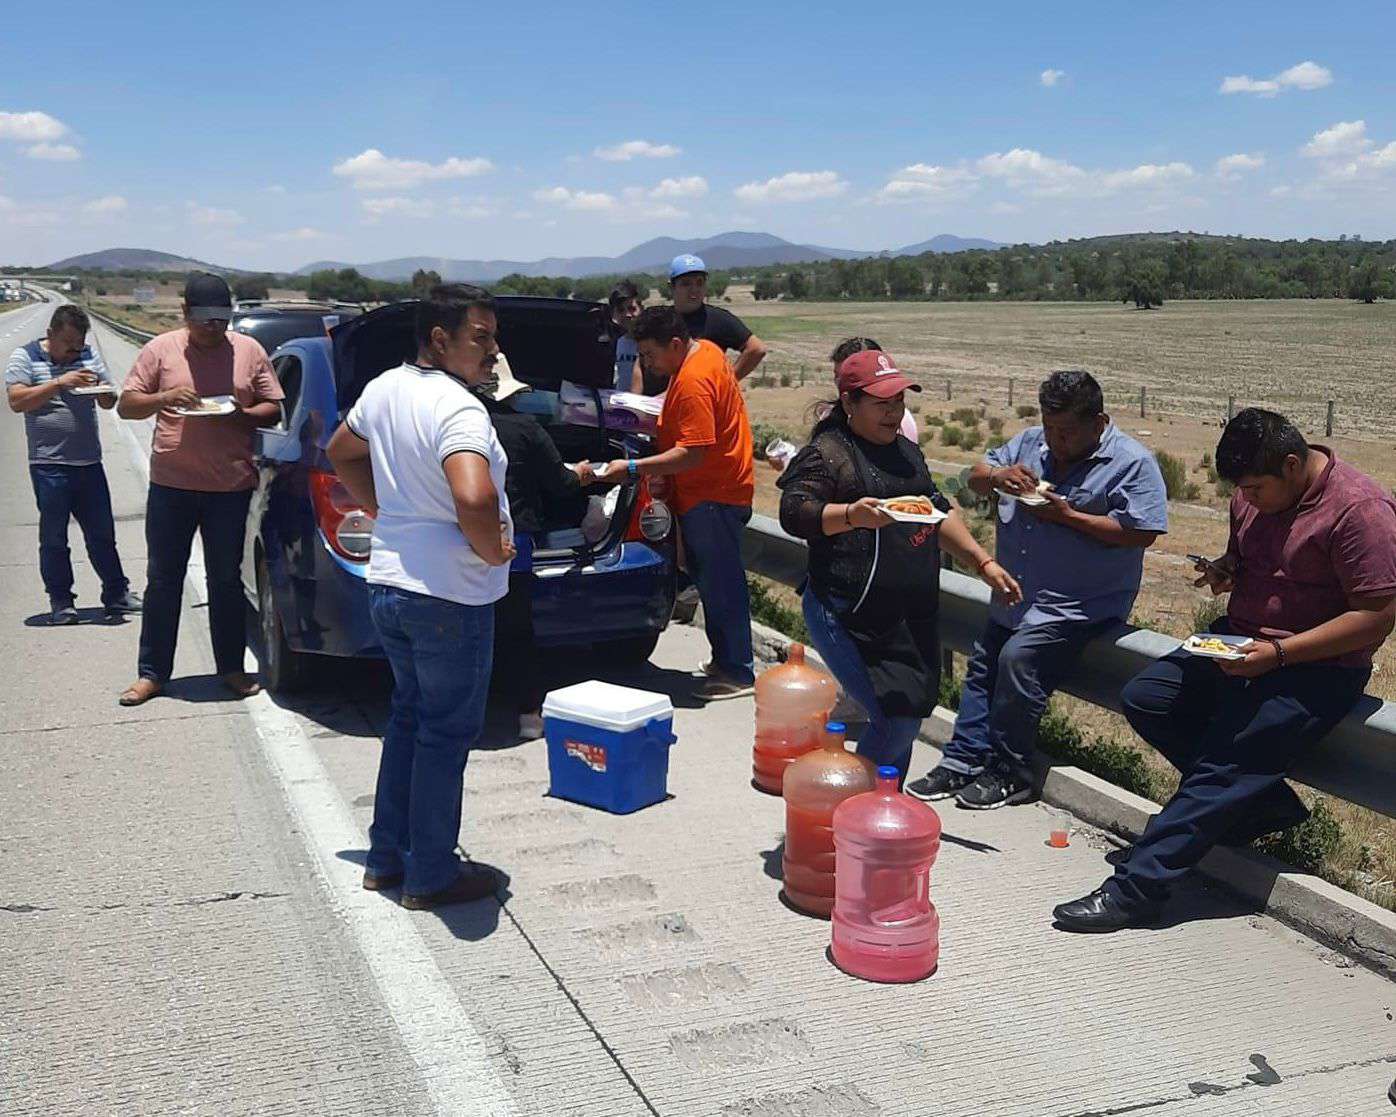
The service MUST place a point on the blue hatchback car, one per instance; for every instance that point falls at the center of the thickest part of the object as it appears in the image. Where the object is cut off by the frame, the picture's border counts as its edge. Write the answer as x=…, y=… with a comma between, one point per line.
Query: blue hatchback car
x=308, y=543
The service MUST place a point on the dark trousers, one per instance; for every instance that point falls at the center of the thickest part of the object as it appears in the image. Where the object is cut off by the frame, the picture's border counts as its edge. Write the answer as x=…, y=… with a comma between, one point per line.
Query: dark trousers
x=516, y=674
x=712, y=542
x=1011, y=675
x=171, y=518
x=440, y=655
x=1232, y=741
x=79, y=492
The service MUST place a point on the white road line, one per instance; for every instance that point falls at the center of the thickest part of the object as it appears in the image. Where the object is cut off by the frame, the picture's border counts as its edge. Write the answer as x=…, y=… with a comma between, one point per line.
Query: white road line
x=435, y=1028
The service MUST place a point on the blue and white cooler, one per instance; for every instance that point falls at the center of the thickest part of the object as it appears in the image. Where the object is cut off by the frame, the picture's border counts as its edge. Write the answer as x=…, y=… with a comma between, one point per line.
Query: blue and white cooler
x=608, y=746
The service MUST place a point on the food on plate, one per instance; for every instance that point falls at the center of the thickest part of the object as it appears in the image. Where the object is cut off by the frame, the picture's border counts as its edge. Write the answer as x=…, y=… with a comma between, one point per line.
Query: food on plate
x=1214, y=646
x=910, y=505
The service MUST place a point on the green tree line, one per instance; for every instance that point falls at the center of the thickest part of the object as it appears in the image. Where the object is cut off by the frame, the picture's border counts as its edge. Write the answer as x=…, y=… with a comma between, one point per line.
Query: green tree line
x=1144, y=270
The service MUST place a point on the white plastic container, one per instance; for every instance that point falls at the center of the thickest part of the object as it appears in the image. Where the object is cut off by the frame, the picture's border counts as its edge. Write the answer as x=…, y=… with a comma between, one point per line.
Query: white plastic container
x=608, y=746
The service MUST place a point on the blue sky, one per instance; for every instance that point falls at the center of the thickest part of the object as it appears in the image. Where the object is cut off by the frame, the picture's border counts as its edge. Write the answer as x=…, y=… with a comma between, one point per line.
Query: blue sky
x=269, y=135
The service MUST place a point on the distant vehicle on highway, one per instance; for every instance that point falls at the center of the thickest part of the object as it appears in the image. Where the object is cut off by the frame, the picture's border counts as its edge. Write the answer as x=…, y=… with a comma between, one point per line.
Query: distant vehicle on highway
x=308, y=542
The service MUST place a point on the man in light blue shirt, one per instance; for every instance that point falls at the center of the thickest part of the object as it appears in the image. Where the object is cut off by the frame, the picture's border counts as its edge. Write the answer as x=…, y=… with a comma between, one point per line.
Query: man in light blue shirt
x=57, y=383
x=1077, y=549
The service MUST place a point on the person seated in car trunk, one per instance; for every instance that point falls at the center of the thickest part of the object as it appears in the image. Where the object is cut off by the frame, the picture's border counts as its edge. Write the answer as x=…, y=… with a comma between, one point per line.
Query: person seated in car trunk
x=542, y=491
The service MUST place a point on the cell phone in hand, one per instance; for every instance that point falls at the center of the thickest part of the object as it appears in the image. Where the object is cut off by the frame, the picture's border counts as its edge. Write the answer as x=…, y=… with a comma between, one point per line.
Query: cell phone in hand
x=1208, y=565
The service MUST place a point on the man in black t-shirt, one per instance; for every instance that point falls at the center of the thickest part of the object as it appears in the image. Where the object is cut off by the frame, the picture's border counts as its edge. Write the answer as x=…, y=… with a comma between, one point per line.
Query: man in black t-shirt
x=688, y=281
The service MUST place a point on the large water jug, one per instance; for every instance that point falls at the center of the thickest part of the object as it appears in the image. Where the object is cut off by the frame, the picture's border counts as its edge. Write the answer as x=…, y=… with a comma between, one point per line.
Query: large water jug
x=815, y=784
x=884, y=924
x=793, y=701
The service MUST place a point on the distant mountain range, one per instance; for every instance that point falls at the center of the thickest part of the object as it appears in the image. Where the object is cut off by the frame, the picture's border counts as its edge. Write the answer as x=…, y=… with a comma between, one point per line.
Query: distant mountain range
x=139, y=259
x=727, y=251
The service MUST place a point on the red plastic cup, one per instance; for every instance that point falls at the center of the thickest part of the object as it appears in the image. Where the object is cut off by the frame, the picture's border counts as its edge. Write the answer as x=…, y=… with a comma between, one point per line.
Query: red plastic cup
x=1058, y=839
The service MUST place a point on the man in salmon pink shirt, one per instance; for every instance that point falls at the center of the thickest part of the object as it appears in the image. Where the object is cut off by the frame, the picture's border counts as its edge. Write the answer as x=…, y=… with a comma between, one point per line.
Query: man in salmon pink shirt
x=705, y=453
x=209, y=391
x=1311, y=569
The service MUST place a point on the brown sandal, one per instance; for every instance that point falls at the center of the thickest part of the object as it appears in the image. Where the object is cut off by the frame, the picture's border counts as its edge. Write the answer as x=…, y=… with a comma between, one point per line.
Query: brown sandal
x=139, y=692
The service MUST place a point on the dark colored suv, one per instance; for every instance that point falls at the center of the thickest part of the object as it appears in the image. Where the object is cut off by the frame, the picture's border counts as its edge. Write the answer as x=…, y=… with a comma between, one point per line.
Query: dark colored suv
x=275, y=323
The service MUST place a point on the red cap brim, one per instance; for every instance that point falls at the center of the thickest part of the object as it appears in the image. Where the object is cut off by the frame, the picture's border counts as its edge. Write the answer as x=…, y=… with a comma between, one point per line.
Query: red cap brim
x=885, y=387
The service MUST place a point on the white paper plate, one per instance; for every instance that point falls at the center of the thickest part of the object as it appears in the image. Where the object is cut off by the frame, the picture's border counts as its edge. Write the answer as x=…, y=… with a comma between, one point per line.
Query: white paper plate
x=1032, y=500
x=1238, y=642
x=95, y=390
x=226, y=405
x=935, y=517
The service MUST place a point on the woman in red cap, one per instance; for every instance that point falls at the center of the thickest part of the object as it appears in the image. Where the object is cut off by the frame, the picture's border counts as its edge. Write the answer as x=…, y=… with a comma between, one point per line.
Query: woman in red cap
x=872, y=598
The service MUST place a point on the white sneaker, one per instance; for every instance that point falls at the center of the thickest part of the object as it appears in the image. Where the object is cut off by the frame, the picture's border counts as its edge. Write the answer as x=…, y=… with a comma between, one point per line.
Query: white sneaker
x=530, y=727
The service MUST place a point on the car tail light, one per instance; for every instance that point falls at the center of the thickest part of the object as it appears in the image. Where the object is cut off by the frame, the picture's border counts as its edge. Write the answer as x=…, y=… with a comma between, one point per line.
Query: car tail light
x=651, y=520
x=346, y=526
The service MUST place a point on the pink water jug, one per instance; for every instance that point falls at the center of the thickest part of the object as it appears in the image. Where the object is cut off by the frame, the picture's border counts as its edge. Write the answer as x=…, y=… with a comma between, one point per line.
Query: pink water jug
x=793, y=701
x=885, y=926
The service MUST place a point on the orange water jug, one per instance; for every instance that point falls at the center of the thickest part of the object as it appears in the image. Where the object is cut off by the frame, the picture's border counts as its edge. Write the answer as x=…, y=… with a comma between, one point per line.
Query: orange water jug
x=885, y=927
x=815, y=785
x=793, y=701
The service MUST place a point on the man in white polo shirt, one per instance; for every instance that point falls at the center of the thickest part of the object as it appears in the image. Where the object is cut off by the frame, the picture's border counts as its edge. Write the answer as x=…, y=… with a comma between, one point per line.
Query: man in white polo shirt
x=418, y=450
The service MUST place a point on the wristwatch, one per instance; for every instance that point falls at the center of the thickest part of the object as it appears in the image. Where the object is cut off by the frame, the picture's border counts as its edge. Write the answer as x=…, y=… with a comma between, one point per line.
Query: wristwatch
x=632, y=467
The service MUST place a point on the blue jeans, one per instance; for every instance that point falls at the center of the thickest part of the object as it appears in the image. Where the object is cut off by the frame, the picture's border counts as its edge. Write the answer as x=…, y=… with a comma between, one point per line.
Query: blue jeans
x=1011, y=675
x=440, y=653
x=171, y=518
x=886, y=740
x=712, y=544
x=1231, y=741
x=79, y=491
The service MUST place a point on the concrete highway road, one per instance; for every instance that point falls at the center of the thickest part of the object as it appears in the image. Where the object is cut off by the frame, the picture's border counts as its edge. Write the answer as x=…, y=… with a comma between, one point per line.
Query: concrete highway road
x=182, y=928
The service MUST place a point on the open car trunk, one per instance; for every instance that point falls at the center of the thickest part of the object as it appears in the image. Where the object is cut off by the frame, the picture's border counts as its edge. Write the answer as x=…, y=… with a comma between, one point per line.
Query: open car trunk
x=546, y=341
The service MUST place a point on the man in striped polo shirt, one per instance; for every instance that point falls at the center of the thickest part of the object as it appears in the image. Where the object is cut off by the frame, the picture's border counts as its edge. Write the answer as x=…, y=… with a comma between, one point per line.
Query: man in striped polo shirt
x=54, y=383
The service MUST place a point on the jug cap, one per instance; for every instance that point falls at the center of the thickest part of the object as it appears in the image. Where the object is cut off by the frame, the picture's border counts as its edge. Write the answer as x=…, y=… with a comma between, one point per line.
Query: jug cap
x=835, y=727
x=888, y=771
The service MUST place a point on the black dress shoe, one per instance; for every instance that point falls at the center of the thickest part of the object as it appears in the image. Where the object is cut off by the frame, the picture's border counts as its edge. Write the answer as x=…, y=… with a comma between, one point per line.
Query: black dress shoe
x=1100, y=913
x=1118, y=857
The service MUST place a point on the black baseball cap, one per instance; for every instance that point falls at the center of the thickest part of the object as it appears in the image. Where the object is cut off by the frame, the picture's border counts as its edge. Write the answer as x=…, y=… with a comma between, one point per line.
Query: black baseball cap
x=207, y=297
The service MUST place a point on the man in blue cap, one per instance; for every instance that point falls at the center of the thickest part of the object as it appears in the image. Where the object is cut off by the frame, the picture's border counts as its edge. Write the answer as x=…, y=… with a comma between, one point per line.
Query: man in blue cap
x=688, y=282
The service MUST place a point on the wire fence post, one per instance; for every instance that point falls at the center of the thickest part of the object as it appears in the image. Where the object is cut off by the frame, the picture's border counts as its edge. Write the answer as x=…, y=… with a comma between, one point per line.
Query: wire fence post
x=802, y=376
x=947, y=391
x=1010, y=393
x=1328, y=426
x=1143, y=396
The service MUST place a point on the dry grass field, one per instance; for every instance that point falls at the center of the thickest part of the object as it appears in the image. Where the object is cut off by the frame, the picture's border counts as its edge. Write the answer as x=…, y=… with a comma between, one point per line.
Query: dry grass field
x=1291, y=356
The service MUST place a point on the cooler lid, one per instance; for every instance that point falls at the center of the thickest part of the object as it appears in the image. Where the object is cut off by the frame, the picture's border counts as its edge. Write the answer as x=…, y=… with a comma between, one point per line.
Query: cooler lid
x=606, y=706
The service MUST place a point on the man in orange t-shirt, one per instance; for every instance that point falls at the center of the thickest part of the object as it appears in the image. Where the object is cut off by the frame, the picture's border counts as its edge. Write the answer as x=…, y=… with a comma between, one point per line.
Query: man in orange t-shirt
x=705, y=446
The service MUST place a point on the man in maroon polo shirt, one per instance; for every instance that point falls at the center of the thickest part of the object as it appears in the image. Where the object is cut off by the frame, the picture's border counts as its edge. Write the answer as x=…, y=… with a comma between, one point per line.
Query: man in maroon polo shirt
x=1311, y=569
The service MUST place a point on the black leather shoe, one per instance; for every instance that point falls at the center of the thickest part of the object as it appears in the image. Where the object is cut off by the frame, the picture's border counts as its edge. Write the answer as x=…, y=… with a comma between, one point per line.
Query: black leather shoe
x=373, y=882
x=1100, y=913
x=1118, y=857
x=474, y=883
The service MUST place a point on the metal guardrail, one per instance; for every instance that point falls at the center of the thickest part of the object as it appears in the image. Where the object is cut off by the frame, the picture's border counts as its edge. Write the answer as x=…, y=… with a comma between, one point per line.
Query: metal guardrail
x=1356, y=762
x=130, y=333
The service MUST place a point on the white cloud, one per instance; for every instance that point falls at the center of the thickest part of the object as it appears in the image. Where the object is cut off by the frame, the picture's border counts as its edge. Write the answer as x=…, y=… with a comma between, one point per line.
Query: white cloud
x=296, y=236
x=372, y=170
x=1050, y=78
x=1147, y=174
x=1233, y=166
x=1040, y=173
x=30, y=127
x=584, y=200
x=55, y=153
x=796, y=186
x=1306, y=76
x=693, y=186
x=1347, y=137
x=112, y=203
x=635, y=149
x=635, y=203
x=472, y=209
x=925, y=182
x=377, y=208
x=212, y=215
